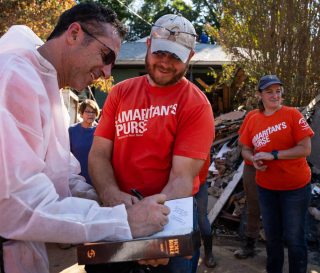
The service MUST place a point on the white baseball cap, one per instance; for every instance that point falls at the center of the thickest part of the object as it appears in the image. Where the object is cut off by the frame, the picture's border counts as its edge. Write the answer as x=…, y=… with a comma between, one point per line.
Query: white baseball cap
x=174, y=34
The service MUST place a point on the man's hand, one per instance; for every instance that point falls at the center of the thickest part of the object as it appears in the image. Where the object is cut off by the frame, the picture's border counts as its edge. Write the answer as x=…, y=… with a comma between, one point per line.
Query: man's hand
x=148, y=216
x=117, y=197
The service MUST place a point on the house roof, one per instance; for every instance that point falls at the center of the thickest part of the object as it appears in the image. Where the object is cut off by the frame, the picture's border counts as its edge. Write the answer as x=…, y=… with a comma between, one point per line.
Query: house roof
x=133, y=53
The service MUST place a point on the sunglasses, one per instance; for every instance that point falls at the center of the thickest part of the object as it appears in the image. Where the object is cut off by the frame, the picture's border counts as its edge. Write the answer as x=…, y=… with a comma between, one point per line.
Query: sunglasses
x=166, y=33
x=108, y=59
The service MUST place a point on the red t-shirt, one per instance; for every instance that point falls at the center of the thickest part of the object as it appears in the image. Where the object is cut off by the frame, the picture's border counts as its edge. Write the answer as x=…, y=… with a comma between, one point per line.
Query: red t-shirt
x=149, y=125
x=243, y=125
x=280, y=131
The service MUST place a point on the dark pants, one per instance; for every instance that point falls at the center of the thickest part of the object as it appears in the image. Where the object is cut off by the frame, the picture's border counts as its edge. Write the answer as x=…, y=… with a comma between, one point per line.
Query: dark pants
x=202, y=204
x=203, y=221
x=284, y=217
x=253, y=208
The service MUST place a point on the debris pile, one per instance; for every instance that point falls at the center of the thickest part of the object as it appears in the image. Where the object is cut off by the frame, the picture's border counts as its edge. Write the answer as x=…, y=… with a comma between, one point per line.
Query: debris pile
x=226, y=169
x=227, y=126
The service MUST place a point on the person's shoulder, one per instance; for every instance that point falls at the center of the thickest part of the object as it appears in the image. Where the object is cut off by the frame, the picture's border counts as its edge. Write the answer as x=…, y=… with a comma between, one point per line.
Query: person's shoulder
x=194, y=91
x=285, y=108
x=288, y=110
x=24, y=65
x=252, y=119
x=128, y=86
x=190, y=85
x=12, y=60
x=74, y=126
x=22, y=70
x=252, y=112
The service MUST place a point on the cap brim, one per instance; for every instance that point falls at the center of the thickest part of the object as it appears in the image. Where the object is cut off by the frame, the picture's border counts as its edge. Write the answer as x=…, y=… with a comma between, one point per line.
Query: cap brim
x=269, y=83
x=170, y=46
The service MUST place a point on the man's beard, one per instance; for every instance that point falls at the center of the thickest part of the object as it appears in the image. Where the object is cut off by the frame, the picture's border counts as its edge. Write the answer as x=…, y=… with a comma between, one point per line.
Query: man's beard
x=162, y=82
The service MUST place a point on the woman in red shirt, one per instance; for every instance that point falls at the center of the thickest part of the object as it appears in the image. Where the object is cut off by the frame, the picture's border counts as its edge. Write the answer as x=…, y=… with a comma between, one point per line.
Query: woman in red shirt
x=277, y=140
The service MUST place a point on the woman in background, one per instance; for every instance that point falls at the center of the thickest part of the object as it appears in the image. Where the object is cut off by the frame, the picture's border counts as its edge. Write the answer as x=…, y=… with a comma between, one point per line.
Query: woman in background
x=277, y=140
x=81, y=134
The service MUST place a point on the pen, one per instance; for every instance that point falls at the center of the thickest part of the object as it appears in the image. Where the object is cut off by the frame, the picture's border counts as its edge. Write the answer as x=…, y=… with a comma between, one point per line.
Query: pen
x=137, y=194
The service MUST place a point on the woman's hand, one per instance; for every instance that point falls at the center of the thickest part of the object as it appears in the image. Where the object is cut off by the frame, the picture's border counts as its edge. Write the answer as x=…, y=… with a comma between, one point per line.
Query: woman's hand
x=258, y=164
x=258, y=159
x=263, y=156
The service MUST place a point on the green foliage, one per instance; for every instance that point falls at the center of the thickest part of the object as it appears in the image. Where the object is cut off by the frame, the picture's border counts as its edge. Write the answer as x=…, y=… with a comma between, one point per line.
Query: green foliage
x=39, y=15
x=104, y=85
x=200, y=12
x=274, y=37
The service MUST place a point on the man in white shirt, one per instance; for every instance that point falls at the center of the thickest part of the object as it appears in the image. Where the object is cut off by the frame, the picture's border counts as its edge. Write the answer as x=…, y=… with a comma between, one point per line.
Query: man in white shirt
x=38, y=172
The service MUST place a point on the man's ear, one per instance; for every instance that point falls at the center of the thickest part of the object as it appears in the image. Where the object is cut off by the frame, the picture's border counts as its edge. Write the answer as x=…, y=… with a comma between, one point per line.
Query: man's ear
x=74, y=33
x=192, y=52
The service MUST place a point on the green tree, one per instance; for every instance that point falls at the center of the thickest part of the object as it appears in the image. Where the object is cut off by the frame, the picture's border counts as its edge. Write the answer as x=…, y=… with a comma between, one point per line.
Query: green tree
x=39, y=15
x=200, y=12
x=274, y=37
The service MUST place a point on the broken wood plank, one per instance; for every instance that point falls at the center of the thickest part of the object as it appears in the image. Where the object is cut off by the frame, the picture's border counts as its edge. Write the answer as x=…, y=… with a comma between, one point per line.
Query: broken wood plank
x=202, y=83
x=226, y=194
x=223, y=150
x=222, y=140
x=310, y=106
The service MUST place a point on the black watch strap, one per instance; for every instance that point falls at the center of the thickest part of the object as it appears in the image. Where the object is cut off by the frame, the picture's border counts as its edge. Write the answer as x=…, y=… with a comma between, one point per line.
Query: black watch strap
x=275, y=154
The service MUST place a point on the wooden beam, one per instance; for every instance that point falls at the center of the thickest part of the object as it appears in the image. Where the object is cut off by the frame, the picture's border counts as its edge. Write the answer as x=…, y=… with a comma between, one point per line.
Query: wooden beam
x=202, y=83
x=226, y=98
x=222, y=140
x=310, y=105
x=225, y=194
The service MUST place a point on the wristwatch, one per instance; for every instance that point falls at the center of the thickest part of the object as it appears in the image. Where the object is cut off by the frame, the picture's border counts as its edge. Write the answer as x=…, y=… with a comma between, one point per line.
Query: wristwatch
x=275, y=154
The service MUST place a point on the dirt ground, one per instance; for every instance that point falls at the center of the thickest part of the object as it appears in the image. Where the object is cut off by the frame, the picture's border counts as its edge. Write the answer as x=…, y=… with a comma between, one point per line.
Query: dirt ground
x=64, y=261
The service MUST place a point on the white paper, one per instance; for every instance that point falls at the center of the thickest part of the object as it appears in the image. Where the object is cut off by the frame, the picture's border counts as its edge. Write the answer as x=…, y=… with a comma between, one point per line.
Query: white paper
x=180, y=218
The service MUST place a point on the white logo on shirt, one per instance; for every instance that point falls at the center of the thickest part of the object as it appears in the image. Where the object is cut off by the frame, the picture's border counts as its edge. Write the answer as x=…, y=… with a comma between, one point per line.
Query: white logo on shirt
x=133, y=122
x=303, y=123
x=262, y=138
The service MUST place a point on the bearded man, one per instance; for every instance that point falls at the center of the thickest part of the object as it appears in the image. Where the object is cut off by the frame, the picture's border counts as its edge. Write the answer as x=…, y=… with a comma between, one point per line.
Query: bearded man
x=156, y=129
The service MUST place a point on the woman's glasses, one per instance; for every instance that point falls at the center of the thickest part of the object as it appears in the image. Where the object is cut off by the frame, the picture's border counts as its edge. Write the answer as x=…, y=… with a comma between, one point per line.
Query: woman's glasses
x=107, y=59
x=89, y=112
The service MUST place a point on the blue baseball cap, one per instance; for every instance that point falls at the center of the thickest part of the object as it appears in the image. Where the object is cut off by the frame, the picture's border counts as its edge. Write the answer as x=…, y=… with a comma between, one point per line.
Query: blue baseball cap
x=268, y=80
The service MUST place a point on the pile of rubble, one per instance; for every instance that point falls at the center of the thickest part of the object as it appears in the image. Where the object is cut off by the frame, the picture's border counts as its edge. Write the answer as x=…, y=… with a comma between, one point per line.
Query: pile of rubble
x=225, y=171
